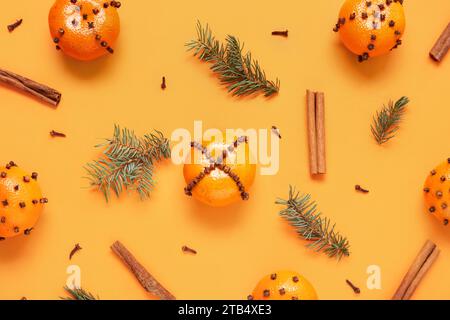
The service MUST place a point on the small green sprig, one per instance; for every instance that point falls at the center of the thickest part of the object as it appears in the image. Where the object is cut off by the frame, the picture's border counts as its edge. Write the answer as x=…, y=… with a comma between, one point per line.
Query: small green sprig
x=241, y=74
x=301, y=213
x=127, y=162
x=386, y=122
x=78, y=294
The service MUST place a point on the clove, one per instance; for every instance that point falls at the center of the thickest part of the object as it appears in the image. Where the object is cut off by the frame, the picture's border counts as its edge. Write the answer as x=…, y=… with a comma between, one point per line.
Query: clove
x=74, y=250
x=276, y=131
x=188, y=250
x=280, y=33
x=14, y=25
x=163, y=84
x=355, y=289
x=54, y=134
x=361, y=189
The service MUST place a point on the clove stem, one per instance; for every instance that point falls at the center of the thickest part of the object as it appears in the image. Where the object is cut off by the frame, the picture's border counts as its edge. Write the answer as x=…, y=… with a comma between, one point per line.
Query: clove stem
x=74, y=250
x=187, y=249
x=355, y=289
x=361, y=189
x=14, y=25
x=54, y=133
x=280, y=33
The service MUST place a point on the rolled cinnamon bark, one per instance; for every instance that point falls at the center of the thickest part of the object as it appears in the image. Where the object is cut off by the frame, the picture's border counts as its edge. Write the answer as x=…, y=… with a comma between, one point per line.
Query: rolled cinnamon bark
x=426, y=266
x=418, y=269
x=320, y=133
x=312, y=138
x=147, y=281
x=31, y=87
x=442, y=45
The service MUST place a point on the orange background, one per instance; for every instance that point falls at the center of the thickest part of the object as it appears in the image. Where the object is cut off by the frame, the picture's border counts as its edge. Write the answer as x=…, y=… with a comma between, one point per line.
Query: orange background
x=239, y=244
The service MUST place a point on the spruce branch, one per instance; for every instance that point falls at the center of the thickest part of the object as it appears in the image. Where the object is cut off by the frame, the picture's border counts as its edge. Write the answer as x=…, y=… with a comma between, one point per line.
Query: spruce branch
x=78, y=294
x=238, y=71
x=127, y=162
x=301, y=213
x=386, y=122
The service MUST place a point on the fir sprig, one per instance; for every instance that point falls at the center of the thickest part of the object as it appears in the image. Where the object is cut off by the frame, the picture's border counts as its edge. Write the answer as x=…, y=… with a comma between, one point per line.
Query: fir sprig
x=241, y=74
x=78, y=294
x=302, y=214
x=386, y=122
x=128, y=162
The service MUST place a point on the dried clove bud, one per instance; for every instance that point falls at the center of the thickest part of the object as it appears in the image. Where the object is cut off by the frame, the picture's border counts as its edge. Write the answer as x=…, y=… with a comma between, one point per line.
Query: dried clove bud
x=74, y=250
x=14, y=25
x=280, y=33
x=54, y=133
x=188, y=250
x=355, y=289
x=361, y=189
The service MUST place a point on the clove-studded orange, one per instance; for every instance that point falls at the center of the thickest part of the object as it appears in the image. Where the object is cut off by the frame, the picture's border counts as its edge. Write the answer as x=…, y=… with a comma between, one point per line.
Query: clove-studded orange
x=283, y=285
x=371, y=28
x=437, y=192
x=84, y=29
x=21, y=201
x=219, y=173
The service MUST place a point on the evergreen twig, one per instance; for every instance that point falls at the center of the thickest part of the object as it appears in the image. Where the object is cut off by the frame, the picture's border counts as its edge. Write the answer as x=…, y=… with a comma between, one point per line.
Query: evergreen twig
x=127, y=162
x=302, y=214
x=241, y=74
x=78, y=294
x=386, y=122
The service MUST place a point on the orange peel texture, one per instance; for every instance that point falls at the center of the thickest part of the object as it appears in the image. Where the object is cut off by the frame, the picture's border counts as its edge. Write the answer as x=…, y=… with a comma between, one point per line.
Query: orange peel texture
x=21, y=201
x=217, y=175
x=283, y=285
x=371, y=28
x=84, y=29
x=437, y=192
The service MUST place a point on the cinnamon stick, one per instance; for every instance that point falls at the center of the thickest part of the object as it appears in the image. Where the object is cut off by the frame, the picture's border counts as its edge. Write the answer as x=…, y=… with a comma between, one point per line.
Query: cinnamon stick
x=320, y=128
x=311, y=116
x=416, y=272
x=148, y=282
x=441, y=46
x=31, y=87
x=426, y=266
x=315, y=105
x=13, y=26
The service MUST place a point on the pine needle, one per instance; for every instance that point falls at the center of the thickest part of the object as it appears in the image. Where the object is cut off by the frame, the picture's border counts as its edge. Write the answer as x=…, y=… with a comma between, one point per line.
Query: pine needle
x=239, y=72
x=386, y=122
x=301, y=213
x=127, y=162
x=78, y=294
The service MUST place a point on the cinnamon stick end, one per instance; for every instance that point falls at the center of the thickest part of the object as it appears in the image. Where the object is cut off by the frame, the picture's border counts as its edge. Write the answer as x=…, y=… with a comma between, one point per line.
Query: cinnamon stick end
x=441, y=46
x=58, y=99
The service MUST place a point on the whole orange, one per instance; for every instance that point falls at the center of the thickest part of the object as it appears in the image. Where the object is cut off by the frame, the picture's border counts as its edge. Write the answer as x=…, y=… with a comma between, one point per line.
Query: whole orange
x=21, y=201
x=84, y=29
x=283, y=285
x=437, y=192
x=371, y=28
x=218, y=173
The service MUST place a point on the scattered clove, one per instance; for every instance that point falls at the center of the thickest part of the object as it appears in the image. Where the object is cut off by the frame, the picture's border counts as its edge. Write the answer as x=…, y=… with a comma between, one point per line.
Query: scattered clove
x=14, y=25
x=163, y=84
x=361, y=189
x=74, y=250
x=280, y=33
x=276, y=131
x=54, y=134
x=188, y=250
x=355, y=289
